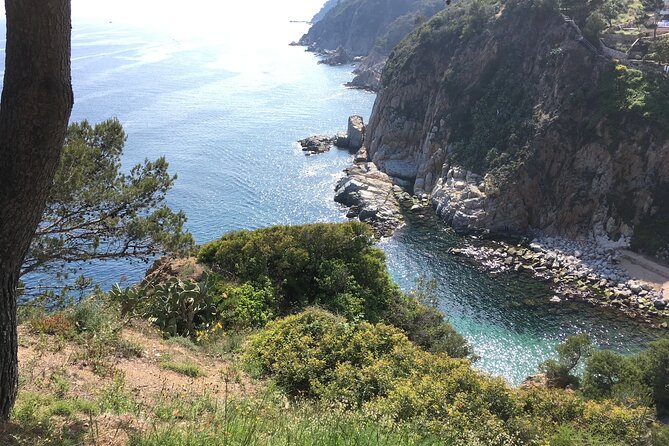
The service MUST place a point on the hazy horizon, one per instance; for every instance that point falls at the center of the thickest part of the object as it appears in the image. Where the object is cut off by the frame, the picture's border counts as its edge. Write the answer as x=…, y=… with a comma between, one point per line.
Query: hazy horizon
x=195, y=18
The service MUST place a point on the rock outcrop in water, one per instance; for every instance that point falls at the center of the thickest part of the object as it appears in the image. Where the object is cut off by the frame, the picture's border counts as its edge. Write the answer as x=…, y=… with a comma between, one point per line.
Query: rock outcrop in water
x=353, y=138
x=512, y=122
x=368, y=28
x=337, y=57
x=370, y=197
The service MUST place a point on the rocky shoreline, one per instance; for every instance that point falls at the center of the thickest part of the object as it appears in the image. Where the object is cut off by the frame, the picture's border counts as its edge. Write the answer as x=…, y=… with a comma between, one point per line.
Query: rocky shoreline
x=580, y=270
x=371, y=197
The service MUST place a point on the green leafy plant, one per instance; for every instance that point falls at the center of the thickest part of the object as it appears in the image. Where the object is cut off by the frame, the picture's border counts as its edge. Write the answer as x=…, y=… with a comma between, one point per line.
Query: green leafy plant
x=277, y=271
x=175, y=306
x=95, y=211
x=570, y=353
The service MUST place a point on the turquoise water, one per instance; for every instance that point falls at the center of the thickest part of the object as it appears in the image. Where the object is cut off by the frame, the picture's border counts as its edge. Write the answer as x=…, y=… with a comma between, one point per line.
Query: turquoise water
x=226, y=110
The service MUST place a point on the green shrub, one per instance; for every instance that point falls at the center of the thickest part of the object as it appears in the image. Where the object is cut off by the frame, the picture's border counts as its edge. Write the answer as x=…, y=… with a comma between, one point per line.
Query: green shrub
x=641, y=380
x=176, y=307
x=316, y=353
x=284, y=269
x=375, y=367
x=570, y=353
x=331, y=265
x=246, y=305
x=631, y=92
x=425, y=326
x=654, y=363
x=611, y=375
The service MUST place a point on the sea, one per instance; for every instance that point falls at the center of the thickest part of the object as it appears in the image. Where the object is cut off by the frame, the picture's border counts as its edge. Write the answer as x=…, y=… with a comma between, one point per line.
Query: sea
x=218, y=91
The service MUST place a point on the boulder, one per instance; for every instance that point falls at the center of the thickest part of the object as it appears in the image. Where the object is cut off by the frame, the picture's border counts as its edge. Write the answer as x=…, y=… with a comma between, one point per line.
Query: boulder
x=370, y=195
x=338, y=57
x=369, y=79
x=356, y=132
x=535, y=381
x=317, y=144
x=185, y=268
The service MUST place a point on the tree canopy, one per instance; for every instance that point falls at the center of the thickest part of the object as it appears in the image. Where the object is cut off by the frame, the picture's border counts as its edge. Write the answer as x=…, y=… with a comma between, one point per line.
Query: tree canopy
x=96, y=211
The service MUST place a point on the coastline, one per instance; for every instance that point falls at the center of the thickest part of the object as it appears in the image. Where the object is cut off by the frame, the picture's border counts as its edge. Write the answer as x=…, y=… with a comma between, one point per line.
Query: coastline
x=585, y=271
x=574, y=269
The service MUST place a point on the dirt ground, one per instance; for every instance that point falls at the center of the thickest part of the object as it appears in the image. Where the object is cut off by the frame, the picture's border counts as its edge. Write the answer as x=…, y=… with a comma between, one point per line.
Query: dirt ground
x=642, y=268
x=145, y=377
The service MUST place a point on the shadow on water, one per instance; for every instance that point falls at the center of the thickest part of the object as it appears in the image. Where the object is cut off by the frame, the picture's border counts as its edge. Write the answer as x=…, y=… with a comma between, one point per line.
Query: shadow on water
x=508, y=317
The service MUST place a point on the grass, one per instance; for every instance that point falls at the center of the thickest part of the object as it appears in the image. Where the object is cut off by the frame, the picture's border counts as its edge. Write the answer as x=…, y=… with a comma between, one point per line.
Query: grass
x=117, y=399
x=181, y=341
x=186, y=368
x=263, y=422
x=60, y=404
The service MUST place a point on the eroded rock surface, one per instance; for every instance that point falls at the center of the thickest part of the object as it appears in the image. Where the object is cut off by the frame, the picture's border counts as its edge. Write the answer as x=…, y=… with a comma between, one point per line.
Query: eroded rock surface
x=370, y=196
x=510, y=134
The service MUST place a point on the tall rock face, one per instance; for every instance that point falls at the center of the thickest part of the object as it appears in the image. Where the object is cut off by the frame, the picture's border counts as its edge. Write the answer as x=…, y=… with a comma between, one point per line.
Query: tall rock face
x=512, y=121
x=368, y=27
x=329, y=4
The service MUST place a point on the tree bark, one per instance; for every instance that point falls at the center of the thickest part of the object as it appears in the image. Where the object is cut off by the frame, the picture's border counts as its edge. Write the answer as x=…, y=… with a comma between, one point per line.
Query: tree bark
x=34, y=112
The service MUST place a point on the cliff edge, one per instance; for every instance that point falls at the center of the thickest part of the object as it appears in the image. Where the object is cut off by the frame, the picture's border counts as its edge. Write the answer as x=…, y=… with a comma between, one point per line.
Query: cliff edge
x=372, y=28
x=511, y=121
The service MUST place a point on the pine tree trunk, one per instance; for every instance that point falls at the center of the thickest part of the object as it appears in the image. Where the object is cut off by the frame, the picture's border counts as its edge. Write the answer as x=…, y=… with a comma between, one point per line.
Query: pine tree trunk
x=34, y=112
x=8, y=345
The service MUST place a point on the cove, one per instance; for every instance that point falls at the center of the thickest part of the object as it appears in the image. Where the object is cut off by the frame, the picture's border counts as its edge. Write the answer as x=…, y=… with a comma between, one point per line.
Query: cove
x=226, y=111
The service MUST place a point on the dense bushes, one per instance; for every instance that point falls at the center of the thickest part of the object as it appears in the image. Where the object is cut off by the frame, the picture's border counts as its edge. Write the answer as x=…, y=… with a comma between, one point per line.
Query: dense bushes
x=284, y=269
x=559, y=372
x=375, y=368
x=335, y=266
x=629, y=92
x=640, y=380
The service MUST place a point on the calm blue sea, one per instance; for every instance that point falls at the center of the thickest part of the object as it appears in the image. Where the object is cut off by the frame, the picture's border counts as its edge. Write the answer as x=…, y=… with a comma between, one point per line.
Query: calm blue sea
x=226, y=108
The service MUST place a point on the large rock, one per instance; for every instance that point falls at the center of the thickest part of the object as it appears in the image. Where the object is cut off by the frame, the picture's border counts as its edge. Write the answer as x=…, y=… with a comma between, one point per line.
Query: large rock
x=370, y=196
x=368, y=79
x=355, y=135
x=317, y=144
x=356, y=132
x=185, y=268
x=338, y=57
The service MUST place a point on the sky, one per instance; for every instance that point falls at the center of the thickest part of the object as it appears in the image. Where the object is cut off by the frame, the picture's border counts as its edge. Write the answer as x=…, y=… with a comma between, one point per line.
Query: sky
x=194, y=13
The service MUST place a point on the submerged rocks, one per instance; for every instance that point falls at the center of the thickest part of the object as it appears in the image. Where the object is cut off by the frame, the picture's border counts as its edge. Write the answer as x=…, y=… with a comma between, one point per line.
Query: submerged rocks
x=370, y=196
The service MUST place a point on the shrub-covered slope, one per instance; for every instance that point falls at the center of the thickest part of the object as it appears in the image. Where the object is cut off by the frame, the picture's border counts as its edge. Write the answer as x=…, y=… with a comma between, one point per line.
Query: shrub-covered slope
x=511, y=120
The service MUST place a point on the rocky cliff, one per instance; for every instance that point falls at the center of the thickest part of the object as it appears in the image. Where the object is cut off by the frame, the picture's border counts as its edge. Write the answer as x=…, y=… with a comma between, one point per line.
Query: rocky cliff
x=512, y=122
x=368, y=27
x=329, y=4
